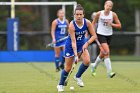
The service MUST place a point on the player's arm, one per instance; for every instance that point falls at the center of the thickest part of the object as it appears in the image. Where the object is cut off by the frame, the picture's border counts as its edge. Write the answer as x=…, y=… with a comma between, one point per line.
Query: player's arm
x=87, y=34
x=91, y=31
x=53, y=27
x=95, y=20
x=93, y=35
x=67, y=22
x=117, y=23
x=73, y=39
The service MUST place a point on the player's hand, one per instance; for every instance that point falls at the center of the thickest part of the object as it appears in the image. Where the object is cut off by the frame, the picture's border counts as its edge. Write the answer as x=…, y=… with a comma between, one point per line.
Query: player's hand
x=76, y=59
x=102, y=51
x=85, y=46
x=109, y=23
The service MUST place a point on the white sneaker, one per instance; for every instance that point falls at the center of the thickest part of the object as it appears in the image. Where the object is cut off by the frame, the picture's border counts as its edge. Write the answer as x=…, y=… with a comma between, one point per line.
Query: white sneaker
x=60, y=88
x=79, y=81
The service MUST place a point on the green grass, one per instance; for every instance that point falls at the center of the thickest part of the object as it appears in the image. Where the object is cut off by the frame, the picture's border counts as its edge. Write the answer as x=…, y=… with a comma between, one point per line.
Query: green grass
x=125, y=58
x=42, y=78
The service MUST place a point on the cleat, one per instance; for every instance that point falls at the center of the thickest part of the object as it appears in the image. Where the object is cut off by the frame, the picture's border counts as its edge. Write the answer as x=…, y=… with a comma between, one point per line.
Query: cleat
x=93, y=74
x=93, y=70
x=60, y=88
x=61, y=66
x=79, y=81
x=111, y=74
x=57, y=69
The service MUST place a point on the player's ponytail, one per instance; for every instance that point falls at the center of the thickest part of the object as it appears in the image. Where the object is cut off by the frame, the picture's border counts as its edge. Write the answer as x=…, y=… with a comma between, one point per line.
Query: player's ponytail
x=79, y=7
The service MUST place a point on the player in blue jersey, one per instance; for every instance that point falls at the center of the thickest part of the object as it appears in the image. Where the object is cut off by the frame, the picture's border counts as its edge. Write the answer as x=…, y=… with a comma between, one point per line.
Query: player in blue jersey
x=58, y=31
x=75, y=45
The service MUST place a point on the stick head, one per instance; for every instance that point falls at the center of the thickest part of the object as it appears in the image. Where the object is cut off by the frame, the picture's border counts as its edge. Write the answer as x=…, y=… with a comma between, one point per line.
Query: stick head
x=65, y=84
x=50, y=45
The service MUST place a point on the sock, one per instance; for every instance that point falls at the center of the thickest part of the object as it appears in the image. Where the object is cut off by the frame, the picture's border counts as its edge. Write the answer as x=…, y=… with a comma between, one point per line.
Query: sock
x=97, y=61
x=108, y=64
x=64, y=75
x=81, y=70
x=57, y=62
x=63, y=60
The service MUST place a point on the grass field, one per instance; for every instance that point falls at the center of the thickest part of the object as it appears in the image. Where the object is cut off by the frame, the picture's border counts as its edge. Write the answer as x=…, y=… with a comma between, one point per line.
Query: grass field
x=42, y=78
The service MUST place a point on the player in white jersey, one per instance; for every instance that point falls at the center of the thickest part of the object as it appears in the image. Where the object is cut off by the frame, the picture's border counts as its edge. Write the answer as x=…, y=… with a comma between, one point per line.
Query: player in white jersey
x=107, y=20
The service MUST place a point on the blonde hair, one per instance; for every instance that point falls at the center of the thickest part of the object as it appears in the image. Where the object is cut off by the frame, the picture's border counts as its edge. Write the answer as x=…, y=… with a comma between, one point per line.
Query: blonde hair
x=109, y=1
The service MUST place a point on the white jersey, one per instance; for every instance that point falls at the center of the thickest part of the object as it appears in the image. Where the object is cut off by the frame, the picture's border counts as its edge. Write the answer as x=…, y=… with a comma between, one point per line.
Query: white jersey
x=103, y=27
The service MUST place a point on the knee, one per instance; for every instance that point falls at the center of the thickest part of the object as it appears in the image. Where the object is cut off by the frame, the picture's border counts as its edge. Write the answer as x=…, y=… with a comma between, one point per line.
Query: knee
x=57, y=54
x=67, y=68
x=87, y=62
x=106, y=54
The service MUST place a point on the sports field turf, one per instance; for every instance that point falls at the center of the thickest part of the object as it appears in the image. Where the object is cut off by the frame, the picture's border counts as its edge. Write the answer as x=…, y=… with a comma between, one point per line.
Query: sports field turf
x=42, y=78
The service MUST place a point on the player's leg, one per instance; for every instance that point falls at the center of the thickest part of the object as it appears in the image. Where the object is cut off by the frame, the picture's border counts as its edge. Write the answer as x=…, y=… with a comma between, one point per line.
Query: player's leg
x=99, y=58
x=94, y=65
x=63, y=59
x=107, y=60
x=65, y=72
x=57, y=59
x=83, y=67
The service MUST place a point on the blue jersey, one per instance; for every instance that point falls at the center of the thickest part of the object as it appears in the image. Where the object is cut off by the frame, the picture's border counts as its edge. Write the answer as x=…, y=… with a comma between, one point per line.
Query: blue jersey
x=60, y=32
x=80, y=39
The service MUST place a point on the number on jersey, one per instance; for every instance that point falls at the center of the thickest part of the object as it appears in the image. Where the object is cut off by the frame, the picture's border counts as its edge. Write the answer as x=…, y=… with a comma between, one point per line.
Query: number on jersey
x=105, y=23
x=63, y=30
x=79, y=37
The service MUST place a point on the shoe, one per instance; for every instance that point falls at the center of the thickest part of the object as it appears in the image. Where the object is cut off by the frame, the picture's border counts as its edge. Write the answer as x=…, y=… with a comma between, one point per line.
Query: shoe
x=60, y=88
x=93, y=70
x=62, y=66
x=111, y=74
x=57, y=69
x=79, y=81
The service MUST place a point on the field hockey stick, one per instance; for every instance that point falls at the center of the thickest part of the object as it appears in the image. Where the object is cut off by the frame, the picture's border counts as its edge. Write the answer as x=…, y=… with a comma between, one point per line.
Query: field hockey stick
x=72, y=69
x=100, y=46
x=53, y=44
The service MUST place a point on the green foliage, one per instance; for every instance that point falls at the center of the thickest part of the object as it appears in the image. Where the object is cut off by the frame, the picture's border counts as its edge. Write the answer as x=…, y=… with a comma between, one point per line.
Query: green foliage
x=134, y=3
x=89, y=7
x=124, y=9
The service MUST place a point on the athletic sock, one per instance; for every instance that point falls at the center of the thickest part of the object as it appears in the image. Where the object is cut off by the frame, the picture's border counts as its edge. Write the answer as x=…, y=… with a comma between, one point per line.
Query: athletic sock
x=57, y=62
x=108, y=64
x=64, y=75
x=97, y=61
x=81, y=70
x=63, y=60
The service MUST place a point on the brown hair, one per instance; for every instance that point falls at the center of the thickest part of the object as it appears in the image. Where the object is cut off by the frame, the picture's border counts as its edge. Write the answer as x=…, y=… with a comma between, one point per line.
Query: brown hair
x=79, y=7
x=59, y=10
